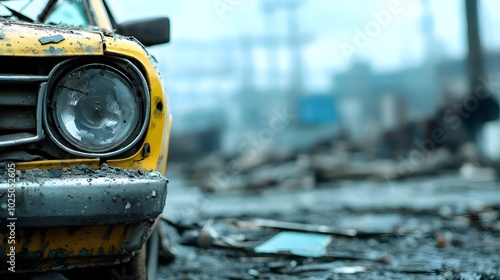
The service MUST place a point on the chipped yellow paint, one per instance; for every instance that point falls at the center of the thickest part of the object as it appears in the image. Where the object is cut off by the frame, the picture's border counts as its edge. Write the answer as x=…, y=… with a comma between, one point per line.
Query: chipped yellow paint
x=66, y=243
x=21, y=39
x=157, y=135
x=54, y=164
x=162, y=160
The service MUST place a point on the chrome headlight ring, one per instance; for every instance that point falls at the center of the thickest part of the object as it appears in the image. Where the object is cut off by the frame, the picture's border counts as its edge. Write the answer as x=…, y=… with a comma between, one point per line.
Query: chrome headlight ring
x=96, y=108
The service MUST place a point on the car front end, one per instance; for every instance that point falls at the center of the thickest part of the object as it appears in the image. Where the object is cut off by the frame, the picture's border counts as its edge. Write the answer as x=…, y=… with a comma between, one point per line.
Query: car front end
x=84, y=132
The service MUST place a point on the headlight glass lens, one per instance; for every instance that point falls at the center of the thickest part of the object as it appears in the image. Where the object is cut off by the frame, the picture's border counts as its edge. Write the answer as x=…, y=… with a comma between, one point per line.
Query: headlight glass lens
x=96, y=108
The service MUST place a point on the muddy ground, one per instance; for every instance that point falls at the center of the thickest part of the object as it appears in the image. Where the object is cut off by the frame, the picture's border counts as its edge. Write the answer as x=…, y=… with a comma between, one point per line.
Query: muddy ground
x=440, y=227
x=445, y=226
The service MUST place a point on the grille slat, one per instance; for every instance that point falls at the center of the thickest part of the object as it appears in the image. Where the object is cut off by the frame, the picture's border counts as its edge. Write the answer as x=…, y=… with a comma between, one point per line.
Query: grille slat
x=18, y=96
x=18, y=118
x=22, y=79
x=17, y=138
x=20, y=109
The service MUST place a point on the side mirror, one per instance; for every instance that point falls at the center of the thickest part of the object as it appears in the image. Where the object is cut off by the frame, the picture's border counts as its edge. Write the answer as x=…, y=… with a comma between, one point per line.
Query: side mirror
x=148, y=31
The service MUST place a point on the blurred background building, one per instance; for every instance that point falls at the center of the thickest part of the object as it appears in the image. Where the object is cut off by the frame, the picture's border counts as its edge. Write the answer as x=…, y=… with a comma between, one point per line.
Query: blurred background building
x=361, y=71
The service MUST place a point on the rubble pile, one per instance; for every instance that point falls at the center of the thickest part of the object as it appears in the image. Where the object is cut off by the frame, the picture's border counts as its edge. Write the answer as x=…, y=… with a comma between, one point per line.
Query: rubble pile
x=323, y=163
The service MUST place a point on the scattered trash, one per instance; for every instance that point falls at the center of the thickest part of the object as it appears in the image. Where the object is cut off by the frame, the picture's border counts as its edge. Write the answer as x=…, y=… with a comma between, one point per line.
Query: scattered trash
x=470, y=170
x=371, y=224
x=379, y=257
x=278, y=266
x=253, y=273
x=349, y=269
x=296, y=243
x=325, y=268
x=278, y=225
x=309, y=268
x=417, y=267
x=203, y=236
x=487, y=219
x=443, y=239
x=377, y=237
x=167, y=252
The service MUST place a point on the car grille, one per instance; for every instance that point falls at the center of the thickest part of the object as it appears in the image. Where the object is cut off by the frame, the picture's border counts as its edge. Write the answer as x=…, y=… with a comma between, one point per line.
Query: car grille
x=21, y=100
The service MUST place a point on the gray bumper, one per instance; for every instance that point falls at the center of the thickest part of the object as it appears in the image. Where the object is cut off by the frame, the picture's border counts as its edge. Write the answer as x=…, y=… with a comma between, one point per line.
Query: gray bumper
x=97, y=197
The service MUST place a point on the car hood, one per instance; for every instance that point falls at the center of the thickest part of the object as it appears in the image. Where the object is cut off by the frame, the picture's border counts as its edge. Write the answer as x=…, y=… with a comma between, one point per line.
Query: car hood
x=26, y=39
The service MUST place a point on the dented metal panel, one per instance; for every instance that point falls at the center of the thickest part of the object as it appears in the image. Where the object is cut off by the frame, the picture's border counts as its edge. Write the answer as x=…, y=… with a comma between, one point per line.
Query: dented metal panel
x=21, y=39
x=80, y=215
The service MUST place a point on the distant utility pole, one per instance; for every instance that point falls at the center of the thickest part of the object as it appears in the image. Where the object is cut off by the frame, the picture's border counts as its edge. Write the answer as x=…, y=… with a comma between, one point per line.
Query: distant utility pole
x=475, y=57
x=487, y=109
x=433, y=54
x=294, y=41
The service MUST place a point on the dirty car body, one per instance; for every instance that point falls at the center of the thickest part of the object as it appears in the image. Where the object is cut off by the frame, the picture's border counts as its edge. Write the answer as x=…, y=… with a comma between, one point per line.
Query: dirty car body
x=84, y=131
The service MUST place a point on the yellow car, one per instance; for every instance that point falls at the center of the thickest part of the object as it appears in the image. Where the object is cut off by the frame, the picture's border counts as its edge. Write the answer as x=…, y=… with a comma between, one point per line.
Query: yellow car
x=84, y=132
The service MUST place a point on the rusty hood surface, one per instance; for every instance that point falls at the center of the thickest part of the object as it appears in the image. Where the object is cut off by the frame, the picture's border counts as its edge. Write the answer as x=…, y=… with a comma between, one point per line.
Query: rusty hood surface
x=25, y=39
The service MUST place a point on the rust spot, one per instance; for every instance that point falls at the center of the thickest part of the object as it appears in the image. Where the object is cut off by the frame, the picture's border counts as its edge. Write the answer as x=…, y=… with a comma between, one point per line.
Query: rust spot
x=159, y=106
x=147, y=150
x=158, y=112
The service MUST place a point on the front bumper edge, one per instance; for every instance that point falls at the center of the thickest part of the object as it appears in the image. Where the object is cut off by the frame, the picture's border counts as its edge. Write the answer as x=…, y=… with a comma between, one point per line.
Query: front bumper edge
x=98, y=198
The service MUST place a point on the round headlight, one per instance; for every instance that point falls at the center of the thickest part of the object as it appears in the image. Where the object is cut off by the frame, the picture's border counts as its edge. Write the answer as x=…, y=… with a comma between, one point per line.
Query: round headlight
x=96, y=109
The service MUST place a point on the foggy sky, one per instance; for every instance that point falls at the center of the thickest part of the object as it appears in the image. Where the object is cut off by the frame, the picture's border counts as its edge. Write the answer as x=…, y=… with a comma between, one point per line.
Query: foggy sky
x=330, y=24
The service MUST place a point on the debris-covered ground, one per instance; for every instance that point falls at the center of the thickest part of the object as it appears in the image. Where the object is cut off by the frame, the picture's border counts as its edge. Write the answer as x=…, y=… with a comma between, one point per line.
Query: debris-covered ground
x=327, y=214
x=444, y=226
